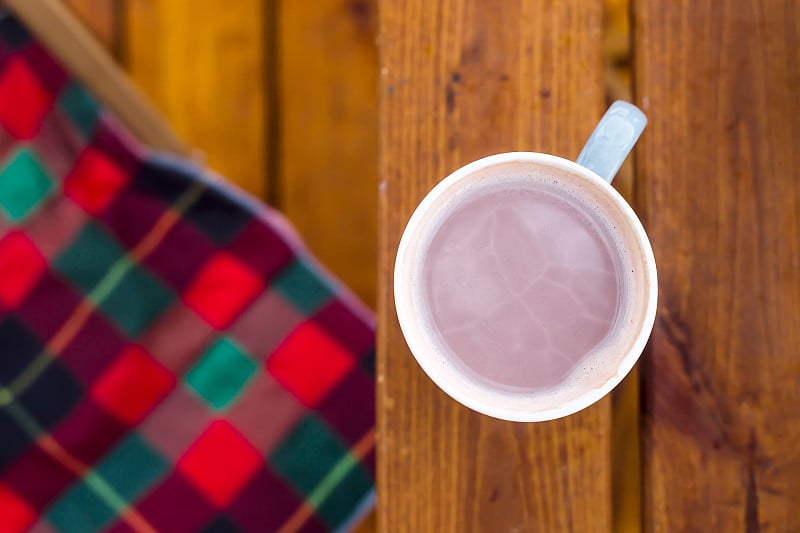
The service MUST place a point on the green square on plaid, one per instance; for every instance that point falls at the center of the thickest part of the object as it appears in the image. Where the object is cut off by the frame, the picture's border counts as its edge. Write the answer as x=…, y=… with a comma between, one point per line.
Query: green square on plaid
x=137, y=300
x=221, y=373
x=89, y=257
x=345, y=493
x=126, y=292
x=80, y=511
x=80, y=107
x=302, y=286
x=307, y=455
x=132, y=467
x=24, y=184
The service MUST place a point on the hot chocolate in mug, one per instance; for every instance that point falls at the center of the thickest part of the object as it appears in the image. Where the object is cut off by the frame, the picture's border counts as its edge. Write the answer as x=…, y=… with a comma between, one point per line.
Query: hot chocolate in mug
x=525, y=285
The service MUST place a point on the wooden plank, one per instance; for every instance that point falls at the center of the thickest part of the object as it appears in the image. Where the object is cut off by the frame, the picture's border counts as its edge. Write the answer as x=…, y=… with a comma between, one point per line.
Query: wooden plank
x=77, y=49
x=718, y=172
x=328, y=133
x=203, y=64
x=101, y=17
x=461, y=79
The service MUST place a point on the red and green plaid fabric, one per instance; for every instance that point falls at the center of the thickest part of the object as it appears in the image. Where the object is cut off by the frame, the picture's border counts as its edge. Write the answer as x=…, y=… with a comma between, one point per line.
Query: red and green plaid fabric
x=171, y=357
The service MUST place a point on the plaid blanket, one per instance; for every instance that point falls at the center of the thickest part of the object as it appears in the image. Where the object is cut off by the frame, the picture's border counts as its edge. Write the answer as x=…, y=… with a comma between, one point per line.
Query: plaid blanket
x=171, y=358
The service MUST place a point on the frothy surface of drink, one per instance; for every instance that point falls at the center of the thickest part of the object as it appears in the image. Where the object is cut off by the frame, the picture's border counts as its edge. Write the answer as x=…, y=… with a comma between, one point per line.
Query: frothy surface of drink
x=521, y=284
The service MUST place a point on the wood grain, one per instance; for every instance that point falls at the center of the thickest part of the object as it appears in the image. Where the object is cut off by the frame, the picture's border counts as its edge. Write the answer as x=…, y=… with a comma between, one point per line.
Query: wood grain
x=718, y=173
x=203, y=64
x=327, y=175
x=101, y=17
x=460, y=80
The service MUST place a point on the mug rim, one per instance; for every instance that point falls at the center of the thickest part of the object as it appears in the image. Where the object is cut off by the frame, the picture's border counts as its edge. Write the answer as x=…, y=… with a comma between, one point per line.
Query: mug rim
x=446, y=377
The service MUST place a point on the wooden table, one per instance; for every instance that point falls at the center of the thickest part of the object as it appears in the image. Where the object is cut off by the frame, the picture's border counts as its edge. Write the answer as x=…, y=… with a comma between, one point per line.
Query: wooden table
x=717, y=182
x=295, y=88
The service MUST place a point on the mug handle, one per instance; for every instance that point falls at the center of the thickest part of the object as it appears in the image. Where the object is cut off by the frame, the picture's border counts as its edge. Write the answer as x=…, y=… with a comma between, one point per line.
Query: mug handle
x=612, y=139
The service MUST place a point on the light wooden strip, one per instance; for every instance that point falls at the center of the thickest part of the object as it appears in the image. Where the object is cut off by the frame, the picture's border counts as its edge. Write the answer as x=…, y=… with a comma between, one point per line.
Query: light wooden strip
x=101, y=17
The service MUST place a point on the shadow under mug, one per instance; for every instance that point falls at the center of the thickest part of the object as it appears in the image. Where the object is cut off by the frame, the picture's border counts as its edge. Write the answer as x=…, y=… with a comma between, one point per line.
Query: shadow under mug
x=606, y=149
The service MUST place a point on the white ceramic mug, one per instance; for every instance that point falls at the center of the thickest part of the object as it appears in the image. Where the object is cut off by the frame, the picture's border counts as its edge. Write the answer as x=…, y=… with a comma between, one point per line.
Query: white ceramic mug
x=590, y=178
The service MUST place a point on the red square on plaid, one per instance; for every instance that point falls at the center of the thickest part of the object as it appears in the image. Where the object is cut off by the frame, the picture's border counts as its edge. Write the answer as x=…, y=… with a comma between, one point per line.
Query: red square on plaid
x=309, y=363
x=17, y=515
x=132, y=385
x=24, y=102
x=21, y=265
x=222, y=289
x=94, y=181
x=220, y=463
